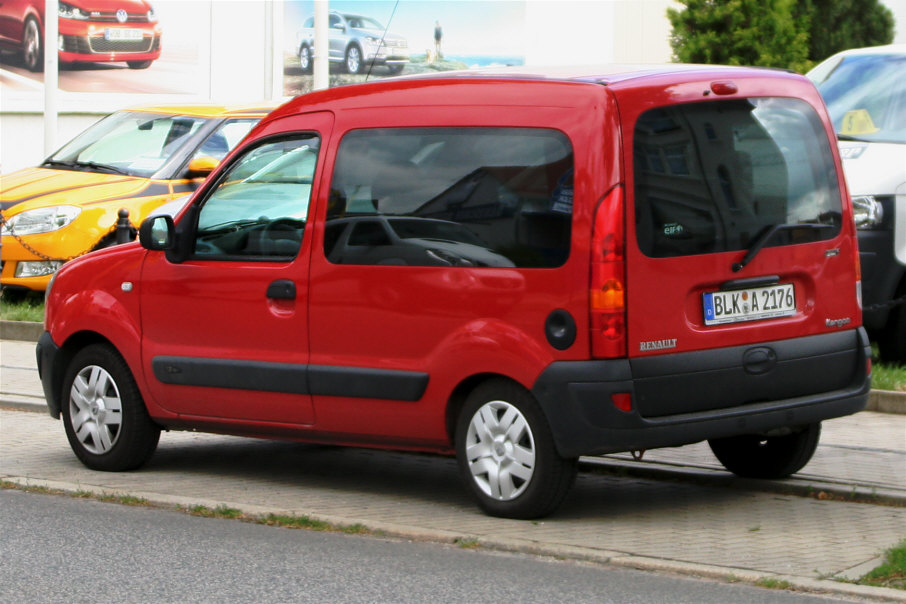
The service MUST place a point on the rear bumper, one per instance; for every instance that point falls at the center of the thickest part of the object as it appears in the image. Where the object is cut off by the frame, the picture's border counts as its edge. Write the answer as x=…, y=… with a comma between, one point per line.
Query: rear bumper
x=684, y=398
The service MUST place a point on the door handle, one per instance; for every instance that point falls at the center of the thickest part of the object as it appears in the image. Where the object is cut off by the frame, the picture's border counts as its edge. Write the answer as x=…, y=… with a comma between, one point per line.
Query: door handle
x=282, y=289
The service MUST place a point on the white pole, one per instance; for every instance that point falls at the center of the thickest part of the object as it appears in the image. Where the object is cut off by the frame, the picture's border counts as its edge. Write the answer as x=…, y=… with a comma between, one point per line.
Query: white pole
x=269, y=50
x=321, y=74
x=51, y=75
x=277, y=17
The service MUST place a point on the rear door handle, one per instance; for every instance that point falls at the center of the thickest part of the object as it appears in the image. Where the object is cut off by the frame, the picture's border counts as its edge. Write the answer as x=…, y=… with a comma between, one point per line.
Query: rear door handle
x=282, y=289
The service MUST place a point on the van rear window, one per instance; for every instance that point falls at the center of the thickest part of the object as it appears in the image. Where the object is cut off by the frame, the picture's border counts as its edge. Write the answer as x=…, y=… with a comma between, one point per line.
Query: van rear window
x=451, y=197
x=715, y=176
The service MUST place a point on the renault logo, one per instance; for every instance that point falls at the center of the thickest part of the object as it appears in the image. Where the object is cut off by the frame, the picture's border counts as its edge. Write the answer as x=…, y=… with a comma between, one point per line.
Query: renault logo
x=122, y=16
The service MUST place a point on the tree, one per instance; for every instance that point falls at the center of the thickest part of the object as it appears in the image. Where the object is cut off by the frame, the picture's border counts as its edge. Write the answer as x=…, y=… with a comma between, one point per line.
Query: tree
x=740, y=32
x=837, y=25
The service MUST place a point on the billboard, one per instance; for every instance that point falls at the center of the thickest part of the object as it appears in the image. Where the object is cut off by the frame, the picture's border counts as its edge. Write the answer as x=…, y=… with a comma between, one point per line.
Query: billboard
x=381, y=38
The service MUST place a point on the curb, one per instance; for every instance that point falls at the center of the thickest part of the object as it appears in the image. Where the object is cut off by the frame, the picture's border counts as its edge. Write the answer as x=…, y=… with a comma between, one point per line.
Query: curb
x=26, y=331
x=622, y=559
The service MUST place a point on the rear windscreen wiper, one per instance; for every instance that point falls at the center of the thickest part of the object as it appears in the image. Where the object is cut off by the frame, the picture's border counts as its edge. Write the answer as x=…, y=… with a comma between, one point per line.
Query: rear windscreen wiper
x=766, y=235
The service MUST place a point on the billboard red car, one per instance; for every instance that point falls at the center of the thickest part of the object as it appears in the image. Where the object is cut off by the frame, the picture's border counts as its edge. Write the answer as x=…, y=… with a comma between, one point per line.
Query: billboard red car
x=89, y=31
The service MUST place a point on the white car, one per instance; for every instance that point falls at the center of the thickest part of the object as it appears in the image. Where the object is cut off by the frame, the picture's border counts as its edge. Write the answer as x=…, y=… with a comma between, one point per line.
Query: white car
x=865, y=93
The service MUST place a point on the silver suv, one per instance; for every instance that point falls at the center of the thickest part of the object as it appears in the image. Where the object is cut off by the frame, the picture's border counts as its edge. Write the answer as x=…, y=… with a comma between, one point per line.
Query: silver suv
x=357, y=42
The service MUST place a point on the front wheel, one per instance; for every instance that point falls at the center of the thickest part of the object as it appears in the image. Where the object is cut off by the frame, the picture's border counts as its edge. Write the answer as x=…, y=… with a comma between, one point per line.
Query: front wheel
x=755, y=456
x=892, y=339
x=32, y=46
x=106, y=421
x=506, y=453
x=305, y=59
x=139, y=64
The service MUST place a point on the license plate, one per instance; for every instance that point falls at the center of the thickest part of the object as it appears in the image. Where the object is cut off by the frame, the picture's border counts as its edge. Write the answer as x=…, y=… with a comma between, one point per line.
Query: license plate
x=750, y=304
x=122, y=34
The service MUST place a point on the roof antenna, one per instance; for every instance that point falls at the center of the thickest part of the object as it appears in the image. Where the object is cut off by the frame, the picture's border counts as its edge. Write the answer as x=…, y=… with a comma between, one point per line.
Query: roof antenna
x=381, y=45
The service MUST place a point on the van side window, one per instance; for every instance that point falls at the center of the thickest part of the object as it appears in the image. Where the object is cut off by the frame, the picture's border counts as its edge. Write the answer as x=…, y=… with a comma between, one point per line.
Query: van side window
x=712, y=177
x=260, y=204
x=451, y=197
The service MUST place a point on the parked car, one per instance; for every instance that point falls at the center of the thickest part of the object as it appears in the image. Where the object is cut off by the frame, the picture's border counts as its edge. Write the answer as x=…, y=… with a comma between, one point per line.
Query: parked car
x=865, y=92
x=355, y=41
x=656, y=258
x=137, y=159
x=89, y=31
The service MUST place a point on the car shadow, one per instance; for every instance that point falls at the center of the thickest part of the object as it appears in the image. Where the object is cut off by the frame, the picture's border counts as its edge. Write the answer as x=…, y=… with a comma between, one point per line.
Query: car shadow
x=423, y=478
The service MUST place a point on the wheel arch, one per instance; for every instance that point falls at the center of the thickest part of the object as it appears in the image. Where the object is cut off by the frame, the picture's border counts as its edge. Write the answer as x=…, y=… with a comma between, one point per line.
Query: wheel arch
x=460, y=393
x=67, y=351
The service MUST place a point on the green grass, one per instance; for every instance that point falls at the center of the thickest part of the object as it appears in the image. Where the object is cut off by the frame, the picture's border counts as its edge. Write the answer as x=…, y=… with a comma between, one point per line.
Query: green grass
x=888, y=377
x=771, y=583
x=29, y=309
x=892, y=573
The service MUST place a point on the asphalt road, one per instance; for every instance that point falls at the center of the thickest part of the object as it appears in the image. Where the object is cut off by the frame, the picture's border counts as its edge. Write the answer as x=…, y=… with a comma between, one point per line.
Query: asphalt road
x=64, y=549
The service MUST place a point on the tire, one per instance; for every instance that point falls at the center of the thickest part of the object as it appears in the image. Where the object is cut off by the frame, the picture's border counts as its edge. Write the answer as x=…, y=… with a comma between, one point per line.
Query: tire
x=139, y=64
x=32, y=46
x=105, y=418
x=892, y=339
x=506, y=453
x=305, y=59
x=353, y=61
x=395, y=68
x=754, y=456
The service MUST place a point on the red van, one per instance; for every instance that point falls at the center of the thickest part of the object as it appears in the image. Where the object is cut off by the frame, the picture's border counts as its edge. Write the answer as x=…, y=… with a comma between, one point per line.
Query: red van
x=518, y=269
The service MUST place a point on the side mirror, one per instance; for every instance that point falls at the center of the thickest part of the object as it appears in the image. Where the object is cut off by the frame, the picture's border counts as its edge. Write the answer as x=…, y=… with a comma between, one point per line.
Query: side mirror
x=158, y=233
x=202, y=166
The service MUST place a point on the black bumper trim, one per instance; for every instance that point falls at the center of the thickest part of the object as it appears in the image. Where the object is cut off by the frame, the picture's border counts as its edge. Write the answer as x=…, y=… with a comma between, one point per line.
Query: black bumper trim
x=576, y=396
x=50, y=370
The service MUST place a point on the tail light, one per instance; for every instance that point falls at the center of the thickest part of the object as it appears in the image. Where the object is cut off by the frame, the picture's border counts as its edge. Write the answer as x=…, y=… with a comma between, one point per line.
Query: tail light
x=607, y=298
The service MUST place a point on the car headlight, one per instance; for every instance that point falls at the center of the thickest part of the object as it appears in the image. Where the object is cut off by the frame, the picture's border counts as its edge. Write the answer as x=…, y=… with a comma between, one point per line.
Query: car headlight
x=152, y=16
x=867, y=212
x=68, y=11
x=40, y=220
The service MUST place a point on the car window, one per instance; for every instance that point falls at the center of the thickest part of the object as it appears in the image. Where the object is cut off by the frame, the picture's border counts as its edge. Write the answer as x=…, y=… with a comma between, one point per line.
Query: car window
x=866, y=97
x=224, y=138
x=134, y=143
x=716, y=176
x=360, y=22
x=260, y=204
x=451, y=197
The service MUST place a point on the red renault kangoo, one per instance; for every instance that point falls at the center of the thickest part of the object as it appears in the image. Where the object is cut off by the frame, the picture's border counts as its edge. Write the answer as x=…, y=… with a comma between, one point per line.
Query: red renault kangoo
x=515, y=269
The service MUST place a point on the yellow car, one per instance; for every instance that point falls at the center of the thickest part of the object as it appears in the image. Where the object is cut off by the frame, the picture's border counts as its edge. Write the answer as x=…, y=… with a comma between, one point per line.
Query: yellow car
x=136, y=159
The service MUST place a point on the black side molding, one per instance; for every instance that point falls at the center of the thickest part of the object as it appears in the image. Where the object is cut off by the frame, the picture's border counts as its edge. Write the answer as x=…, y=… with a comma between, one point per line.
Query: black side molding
x=291, y=378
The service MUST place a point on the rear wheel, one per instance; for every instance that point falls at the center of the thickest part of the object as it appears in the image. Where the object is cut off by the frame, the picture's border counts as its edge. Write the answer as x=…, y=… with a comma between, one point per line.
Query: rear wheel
x=506, y=453
x=106, y=421
x=755, y=456
x=353, y=59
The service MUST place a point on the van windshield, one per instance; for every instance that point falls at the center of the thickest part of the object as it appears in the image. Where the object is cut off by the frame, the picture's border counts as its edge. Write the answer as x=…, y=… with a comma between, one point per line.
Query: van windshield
x=866, y=97
x=719, y=176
